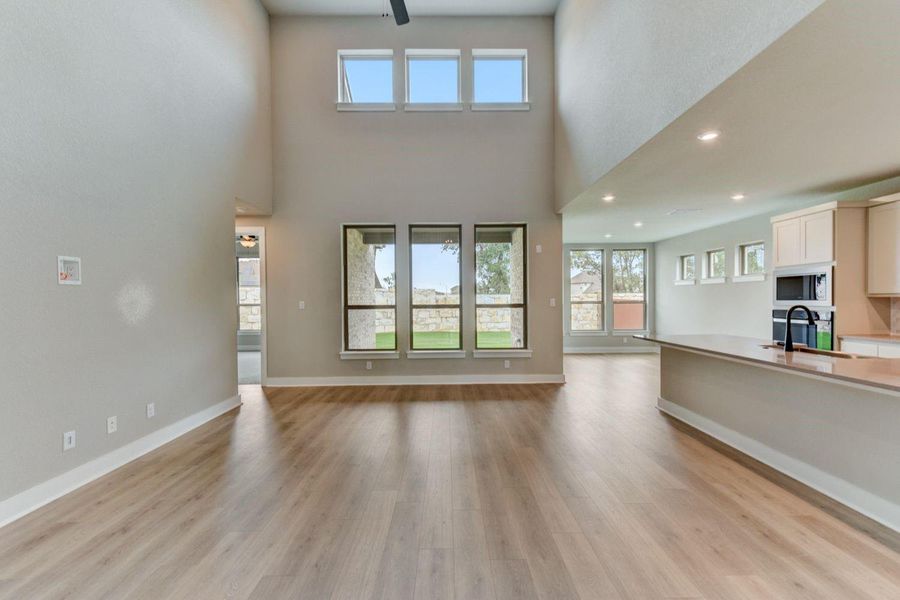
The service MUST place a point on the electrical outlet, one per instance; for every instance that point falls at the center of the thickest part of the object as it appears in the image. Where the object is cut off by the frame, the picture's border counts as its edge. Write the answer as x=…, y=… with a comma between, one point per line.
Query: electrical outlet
x=68, y=440
x=505, y=364
x=538, y=249
x=625, y=340
x=151, y=410
x=368, y=365
x=112, y=424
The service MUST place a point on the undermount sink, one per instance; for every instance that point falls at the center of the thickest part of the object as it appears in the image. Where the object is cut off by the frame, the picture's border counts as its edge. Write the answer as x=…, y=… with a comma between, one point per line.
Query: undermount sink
x=808, y=350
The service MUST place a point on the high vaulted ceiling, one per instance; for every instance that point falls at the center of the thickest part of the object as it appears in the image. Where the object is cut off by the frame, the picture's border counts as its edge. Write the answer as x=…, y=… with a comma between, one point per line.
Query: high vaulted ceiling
x=814, y=114
x=415, y=7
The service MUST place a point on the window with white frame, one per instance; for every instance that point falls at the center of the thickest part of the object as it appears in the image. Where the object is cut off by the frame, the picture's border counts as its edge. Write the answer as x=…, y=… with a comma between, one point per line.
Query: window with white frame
x=501, y=292
x=629, y=289
x=366, y=78
x=500, y=78
x=751, y=259
x=686, y=269
x=433, y=80
x=714, y=264
x=369, y=282
x=586, y=291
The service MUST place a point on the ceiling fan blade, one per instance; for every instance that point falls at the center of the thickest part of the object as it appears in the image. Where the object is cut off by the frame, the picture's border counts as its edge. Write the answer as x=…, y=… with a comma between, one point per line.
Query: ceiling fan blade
x=399, y=9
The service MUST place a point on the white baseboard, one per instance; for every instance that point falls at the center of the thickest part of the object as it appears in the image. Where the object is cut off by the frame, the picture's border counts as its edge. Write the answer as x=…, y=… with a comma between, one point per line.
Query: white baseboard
x=412, y=380
x=623, y=349
x=875, y=507
x=34, y=498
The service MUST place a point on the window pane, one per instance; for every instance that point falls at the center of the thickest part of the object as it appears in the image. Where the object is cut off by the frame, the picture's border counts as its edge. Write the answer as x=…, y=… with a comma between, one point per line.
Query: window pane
x=368, y=80
x=499, y=79
x=500, y=265
x=248, y=295
x=435, y=329
x=435, y=265
x=371, y=329
x=433, y=80
x=628, y=275
x=250, y=318
x=628, y=315
x=754, y=260
x=586, y=317
x=370, y=265
x=500, y=328
x=248, y=271
x=687, y=267
x=586, y=275
x=717, y=263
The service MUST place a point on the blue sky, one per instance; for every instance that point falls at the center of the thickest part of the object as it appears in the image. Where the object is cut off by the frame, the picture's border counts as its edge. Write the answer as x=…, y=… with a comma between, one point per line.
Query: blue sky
x=434, y=80
x=432, y=268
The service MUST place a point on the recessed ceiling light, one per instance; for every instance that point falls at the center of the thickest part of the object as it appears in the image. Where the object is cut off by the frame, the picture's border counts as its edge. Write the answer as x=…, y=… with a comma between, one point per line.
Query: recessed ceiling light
x=638, y=224
x=608, y=235
x=738, y=197
x=708, y=136
x=608, y=198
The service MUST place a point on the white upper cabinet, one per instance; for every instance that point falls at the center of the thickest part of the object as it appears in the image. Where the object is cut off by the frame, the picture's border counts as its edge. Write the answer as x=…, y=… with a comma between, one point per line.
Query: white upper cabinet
x=804, y=240
x=884, y=250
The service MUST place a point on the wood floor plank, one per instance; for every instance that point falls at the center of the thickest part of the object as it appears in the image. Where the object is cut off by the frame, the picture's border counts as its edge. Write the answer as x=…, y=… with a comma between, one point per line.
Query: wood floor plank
x=464, y=492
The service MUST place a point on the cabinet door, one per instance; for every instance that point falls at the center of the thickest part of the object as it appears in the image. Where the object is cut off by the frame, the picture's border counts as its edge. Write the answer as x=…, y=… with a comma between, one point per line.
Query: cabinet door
x=786, y=235
x=863, y=348
x=817, y=237
x=884, y=249
x=889, y=350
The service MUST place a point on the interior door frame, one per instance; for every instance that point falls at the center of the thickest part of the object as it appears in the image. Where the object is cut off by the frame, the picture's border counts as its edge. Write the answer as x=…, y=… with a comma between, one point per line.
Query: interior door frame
x=260, y=233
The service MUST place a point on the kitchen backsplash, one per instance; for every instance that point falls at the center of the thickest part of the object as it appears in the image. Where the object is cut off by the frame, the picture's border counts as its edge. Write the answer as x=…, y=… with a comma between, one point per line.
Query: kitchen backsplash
x=895, y=315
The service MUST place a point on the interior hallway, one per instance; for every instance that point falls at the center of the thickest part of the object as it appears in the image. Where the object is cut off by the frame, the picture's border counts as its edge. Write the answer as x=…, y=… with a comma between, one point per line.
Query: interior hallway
x=506, y=491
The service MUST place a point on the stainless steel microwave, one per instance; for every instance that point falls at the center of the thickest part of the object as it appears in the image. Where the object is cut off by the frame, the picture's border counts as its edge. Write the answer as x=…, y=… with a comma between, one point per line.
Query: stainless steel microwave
x=810, y=285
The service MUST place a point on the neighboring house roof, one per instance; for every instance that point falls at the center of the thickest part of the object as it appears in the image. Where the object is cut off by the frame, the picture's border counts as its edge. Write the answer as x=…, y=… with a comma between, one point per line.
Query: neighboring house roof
x=591, y=281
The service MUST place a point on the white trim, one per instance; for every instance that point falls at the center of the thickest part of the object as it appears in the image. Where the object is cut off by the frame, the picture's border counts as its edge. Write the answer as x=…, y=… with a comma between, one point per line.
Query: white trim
x=260, y=233
x=60, y=266
x=34, y=498
x=685, y=281
x=805, y=211
x=415, y=380
x=434, y=52
x=369, y=355
x=746, y=278
x=433, y=106
x=365, y=106
x=501, y=53
x=365, y=52
x=420, y=53
x=612, y=350
x=712, y=280
x=500, y=106
x=416, y=354
x=588, y=333
x=360, y=53
x=879, y=509
x=523, y=353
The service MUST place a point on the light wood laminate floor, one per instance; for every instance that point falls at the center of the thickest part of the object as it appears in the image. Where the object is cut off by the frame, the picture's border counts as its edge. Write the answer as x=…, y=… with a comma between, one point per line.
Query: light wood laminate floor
x=466, y=492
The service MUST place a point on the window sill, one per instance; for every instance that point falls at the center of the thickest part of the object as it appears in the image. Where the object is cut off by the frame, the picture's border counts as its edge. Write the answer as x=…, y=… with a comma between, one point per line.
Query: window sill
x=433, y=107
x=365, y=106
x=524, y=353
x=370, y=355
x=712, y=280
x=500, y=106
x=418, y=354
x=743, y=278
x=588, y=333
x=685, y=281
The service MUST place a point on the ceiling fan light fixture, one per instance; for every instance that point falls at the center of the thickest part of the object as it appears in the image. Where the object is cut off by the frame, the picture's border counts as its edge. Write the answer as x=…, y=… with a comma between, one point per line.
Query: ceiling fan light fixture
x=401, y=16
x=248, y=241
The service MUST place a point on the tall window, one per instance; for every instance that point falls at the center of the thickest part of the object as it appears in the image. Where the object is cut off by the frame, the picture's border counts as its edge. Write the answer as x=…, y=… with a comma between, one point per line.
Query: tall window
x=501, y=287
x=432, y=77
x=687, y=267
x=585, y=290
x=249, y=295
x=629, y=286
x=500, y=76
x=370, y=300
x=715, y=264
x=752, y=259
x=435, y=273
x=365, y=76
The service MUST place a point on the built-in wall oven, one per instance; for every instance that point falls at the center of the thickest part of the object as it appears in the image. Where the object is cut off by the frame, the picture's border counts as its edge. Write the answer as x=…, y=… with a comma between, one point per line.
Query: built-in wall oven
x=819, y=335
x=809, y=285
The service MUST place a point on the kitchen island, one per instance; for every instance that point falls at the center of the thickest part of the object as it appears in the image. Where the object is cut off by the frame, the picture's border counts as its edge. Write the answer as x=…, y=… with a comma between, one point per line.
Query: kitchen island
x=830, y=422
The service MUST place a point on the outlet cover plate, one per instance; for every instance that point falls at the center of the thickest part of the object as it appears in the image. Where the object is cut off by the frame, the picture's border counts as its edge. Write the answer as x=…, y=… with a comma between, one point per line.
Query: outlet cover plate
x=112, y=424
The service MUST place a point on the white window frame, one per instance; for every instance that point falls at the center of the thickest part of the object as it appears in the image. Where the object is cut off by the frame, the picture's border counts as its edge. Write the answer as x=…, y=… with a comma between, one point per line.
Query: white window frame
x=343, y=104
x=419, y=53
x=739, y=275
x=567, y=292
x=706, y=267
x=501, y=53
x=680, y=279
x=647, y=283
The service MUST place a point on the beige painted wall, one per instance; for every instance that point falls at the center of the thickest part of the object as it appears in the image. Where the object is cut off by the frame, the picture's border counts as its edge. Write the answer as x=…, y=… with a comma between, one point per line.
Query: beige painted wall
x=628, y=68
x=125, y=128
x=399, y=167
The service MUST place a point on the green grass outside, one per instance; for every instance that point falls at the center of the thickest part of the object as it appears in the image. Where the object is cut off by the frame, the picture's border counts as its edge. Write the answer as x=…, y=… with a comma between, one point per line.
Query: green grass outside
x=443, y=340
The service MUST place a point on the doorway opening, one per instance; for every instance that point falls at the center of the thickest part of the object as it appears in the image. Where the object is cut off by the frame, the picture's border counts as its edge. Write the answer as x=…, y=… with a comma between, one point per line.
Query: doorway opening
x=249, y=251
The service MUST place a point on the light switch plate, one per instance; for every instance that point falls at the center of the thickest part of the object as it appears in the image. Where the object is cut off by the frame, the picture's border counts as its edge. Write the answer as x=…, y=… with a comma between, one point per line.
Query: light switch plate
x=112, y=424
x=151, y=410
x=538, y=249
x=301, y=305
x=68, y=440
x=552, y=302
x=68, y=270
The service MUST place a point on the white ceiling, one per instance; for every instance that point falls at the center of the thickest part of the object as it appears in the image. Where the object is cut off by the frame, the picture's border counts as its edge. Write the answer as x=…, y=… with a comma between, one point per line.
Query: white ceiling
x=415, y=7
x=815, y=113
